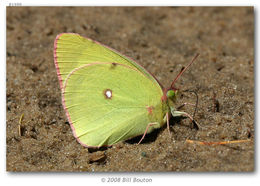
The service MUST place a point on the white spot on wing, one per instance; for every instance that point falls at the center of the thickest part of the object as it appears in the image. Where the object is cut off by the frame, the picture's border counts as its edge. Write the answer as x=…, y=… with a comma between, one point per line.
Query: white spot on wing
x=108, y=93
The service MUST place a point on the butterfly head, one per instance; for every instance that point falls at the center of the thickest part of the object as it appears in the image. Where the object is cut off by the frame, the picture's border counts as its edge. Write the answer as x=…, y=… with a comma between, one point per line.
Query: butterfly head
x=172, y=94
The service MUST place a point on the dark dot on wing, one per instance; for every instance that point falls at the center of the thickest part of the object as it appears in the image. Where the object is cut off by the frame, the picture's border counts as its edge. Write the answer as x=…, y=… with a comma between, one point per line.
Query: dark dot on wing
x=113, y=65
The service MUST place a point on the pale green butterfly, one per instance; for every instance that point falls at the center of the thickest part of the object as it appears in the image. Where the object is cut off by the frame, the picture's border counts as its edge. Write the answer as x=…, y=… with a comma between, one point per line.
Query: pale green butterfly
x=107, y=96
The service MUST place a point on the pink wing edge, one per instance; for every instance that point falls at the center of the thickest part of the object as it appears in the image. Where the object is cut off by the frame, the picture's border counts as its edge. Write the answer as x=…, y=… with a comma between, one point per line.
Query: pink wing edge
x=62, y=95
x=62, y=88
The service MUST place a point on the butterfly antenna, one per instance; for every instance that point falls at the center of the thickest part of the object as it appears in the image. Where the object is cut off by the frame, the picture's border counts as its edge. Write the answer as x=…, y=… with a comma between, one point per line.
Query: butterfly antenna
x=177, y=77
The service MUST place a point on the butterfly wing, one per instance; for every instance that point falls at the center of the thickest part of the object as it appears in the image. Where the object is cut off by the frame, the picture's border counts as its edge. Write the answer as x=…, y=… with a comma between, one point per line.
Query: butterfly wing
x=72, y=51
x=110, y=102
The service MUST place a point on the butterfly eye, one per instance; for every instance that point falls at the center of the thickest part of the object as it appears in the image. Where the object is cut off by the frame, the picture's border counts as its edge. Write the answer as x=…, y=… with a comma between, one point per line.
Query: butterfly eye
x=171, y=94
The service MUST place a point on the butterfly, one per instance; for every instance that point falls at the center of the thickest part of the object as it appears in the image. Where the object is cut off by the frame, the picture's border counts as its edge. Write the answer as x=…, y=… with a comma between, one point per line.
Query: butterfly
x=107, y=96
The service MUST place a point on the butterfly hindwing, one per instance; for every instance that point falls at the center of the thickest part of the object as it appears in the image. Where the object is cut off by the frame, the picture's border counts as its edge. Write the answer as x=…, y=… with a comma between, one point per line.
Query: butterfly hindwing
x=110, y=102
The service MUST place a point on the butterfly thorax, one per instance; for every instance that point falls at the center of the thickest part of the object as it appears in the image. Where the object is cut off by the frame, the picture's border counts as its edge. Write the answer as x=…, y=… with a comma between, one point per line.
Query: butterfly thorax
x=169, y=98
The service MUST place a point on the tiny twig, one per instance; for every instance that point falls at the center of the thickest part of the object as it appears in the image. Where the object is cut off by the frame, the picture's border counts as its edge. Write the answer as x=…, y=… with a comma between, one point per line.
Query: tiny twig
x=216, y=142
x=19, y=124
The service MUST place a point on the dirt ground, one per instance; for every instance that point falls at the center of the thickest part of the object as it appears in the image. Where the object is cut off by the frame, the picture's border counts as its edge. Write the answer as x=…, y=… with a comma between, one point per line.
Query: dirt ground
x=163, y=40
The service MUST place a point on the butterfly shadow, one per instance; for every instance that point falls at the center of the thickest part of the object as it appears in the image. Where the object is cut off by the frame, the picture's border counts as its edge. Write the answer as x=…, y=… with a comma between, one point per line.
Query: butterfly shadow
x=151, y=137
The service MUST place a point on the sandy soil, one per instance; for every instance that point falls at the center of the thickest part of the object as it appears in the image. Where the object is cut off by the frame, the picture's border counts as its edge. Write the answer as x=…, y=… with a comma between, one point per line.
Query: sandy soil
x=163, y=40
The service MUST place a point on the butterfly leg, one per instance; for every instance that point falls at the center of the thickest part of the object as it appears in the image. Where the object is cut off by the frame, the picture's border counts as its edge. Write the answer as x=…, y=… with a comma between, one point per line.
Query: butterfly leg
x=179, y=113
x=184, y=104
x=168, y=123
x=149, y=125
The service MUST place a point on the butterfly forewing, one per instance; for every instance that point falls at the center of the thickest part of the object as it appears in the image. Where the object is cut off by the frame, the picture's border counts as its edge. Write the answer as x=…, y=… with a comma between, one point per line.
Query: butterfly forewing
x=72, y=51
